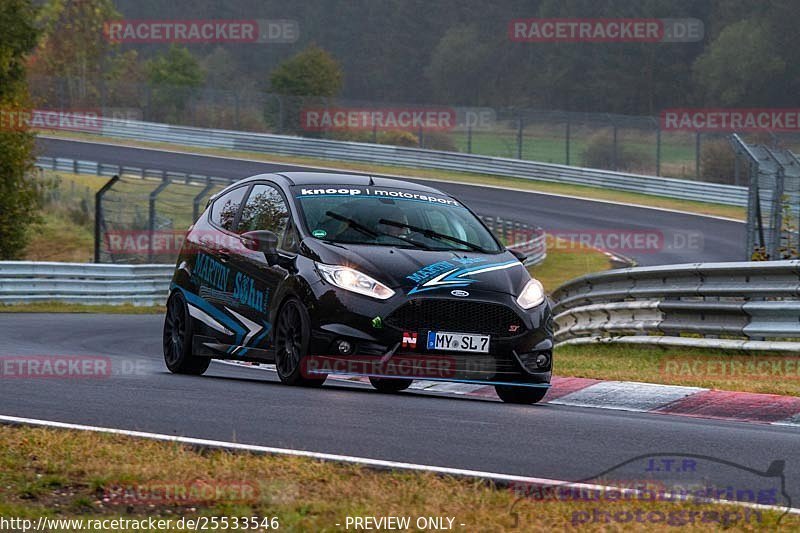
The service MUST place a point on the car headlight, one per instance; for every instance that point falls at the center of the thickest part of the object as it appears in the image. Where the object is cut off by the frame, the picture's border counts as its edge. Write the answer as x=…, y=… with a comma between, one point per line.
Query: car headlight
x=353, y=280
x=532, y=295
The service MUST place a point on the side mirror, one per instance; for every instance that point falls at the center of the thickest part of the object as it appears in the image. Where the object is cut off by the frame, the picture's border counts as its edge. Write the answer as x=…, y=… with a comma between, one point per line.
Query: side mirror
x=262, y=241
x=519, y=255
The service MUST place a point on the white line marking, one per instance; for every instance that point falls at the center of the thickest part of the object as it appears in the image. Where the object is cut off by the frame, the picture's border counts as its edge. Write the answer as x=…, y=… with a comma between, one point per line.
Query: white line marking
x=403, y=176
x=363, y=461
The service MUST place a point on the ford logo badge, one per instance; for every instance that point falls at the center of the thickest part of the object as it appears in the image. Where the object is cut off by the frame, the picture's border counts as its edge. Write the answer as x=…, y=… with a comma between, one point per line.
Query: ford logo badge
x=459, y=293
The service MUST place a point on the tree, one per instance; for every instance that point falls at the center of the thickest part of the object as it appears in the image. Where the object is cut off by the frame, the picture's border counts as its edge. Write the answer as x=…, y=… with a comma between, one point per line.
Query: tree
x=312, y=72
x=454, y=74
x=74, y=46
x=741, y=67
x=173, y=76
x=309, y=74
x=19, y=196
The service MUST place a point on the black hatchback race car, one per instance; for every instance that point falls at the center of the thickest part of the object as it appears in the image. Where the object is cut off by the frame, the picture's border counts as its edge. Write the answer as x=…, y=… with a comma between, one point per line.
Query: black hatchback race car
x=326, y=274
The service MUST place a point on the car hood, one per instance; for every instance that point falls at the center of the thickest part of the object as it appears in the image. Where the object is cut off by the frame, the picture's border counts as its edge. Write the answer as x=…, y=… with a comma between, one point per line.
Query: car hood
x=426, y=272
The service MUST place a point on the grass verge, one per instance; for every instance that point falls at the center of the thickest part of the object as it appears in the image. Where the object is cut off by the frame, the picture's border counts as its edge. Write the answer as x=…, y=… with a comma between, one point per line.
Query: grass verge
x=695, y=367
x=67, y=474
x=562, y=265
x=458, y=177
x=59, y=307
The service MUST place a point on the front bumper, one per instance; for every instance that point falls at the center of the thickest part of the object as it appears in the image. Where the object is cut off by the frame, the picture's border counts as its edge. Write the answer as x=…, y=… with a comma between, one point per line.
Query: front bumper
x=382, y=345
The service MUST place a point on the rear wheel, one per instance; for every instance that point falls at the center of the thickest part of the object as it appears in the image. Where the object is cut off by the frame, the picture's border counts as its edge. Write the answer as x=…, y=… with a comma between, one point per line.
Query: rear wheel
x=390, y=385
x=292, y=335
x=178, y=339
x=522, y=395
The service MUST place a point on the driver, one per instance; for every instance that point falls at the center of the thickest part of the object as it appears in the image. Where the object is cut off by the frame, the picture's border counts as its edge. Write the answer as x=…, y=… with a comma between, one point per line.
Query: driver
x=395, y=214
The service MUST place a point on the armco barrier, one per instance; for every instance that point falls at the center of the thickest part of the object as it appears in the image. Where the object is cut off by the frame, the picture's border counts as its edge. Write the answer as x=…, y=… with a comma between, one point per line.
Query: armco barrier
x=747, y=305
x=84, y=283
x=420, y=158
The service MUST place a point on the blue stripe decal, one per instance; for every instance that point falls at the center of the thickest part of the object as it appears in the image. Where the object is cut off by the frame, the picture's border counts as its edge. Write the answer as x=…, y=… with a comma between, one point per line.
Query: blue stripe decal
x=215, y=313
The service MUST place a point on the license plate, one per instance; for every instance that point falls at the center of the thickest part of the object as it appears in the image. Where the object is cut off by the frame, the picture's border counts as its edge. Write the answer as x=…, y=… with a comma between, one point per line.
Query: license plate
x=458, y=342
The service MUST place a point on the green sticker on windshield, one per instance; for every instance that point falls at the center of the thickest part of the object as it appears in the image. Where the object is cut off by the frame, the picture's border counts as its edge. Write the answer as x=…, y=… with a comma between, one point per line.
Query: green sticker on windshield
x=319, y=233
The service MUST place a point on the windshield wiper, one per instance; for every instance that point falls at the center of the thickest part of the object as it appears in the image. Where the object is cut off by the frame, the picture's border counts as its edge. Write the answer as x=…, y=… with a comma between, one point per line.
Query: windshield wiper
x=429, y=233
x=358, y=226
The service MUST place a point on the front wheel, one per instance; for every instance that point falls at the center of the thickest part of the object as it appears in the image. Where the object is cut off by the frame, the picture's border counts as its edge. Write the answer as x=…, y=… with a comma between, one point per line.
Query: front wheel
x=292, y=335
x=521, y=395
x=177, y=339
x=389, y=384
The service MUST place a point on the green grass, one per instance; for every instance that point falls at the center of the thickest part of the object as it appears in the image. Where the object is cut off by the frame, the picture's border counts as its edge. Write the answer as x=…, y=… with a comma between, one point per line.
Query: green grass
x=561, y=266
x=547, y=147
x=57, y=238
x=695, y=367
x=458, y=177
x=59, y=307
x=68, y=474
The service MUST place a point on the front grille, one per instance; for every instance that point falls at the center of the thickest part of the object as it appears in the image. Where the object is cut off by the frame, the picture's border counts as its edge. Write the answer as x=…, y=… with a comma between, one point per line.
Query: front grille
x=458, y=316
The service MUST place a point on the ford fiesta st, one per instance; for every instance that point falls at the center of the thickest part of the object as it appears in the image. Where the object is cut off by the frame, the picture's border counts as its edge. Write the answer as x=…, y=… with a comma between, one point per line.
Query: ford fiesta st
x=326, y=274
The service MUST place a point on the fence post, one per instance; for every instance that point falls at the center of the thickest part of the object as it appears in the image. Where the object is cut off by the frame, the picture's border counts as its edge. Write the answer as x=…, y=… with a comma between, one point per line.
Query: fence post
x=697, y=156
x=614, y=161
x=198, y=198
x=658, y=149
x=236, y=106
x=98, y=214
x=151, y=223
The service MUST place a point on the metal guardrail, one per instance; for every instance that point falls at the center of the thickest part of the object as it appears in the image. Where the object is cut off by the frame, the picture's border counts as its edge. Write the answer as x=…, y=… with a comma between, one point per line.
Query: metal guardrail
x=525, y=238
x=747, y=305
x=421, y=158
x=84, y=283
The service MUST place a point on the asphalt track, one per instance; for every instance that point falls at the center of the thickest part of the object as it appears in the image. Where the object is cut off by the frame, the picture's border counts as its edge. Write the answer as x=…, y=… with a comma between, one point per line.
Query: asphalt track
x=663, y=237
x=252, y=407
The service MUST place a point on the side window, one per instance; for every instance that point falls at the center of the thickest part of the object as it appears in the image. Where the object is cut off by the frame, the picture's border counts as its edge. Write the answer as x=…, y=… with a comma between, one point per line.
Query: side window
x=264, y=210
x=225, y=208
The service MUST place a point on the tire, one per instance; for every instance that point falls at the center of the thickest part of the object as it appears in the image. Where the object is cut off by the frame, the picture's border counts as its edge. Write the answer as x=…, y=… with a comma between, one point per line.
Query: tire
x=292, y=335
x=390, y=385
x=177, y=339
x=520, y=395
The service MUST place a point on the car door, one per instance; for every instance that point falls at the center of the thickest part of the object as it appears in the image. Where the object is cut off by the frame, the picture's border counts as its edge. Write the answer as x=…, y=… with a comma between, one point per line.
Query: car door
x=213, y=270
x=255, y=282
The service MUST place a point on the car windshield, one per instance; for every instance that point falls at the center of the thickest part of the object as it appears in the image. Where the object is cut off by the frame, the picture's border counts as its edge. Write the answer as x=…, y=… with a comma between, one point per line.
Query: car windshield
x=392, y=217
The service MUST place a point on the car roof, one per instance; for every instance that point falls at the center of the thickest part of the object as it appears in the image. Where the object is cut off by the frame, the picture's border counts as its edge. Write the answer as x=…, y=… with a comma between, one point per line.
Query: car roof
x=334, y=178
